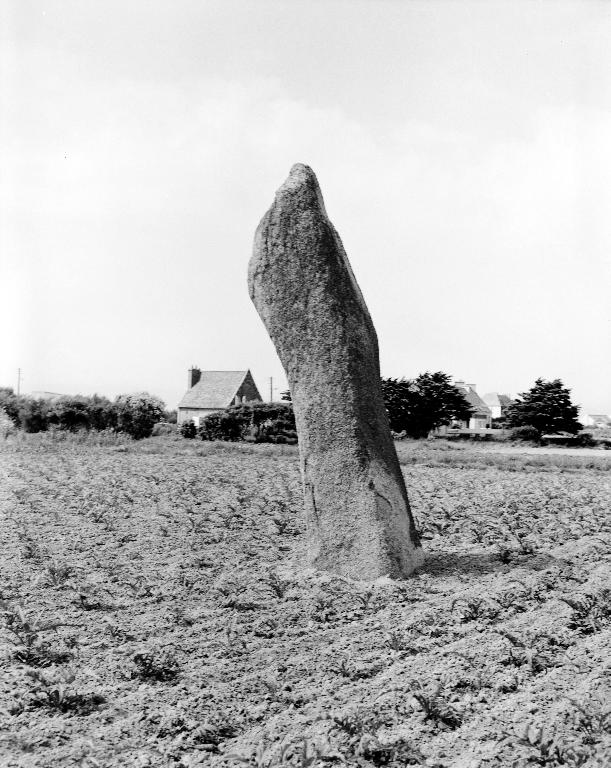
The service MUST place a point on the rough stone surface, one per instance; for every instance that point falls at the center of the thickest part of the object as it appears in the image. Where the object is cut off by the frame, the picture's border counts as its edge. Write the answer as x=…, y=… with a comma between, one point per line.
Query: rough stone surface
x=357, y=513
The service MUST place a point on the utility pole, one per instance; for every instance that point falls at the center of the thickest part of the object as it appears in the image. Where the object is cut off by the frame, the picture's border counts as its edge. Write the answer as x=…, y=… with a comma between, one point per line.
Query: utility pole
x=18, y=379
x=271, y=389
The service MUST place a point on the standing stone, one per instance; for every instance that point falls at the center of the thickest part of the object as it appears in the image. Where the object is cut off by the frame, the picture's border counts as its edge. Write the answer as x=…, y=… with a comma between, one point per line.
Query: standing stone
x=358, y=518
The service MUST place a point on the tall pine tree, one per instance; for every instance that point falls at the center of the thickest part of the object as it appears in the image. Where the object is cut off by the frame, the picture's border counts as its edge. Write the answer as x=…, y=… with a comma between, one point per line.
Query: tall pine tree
x=547, y=407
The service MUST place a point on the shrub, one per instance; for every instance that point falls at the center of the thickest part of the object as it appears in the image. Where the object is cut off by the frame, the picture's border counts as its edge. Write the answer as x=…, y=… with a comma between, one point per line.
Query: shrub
x=7, y=427
x=166, y=428
x=525, y=434
x=33, y=415
x=585, y=440
x=10, y=403
x=253, y=422
x=138, y=413
x=220, y=426
x=102, y=413
x=188, y=429
x=70, y=413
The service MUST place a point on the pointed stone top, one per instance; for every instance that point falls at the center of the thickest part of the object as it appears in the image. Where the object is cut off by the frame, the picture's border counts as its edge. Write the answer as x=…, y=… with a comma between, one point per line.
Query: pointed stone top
x=301, y=190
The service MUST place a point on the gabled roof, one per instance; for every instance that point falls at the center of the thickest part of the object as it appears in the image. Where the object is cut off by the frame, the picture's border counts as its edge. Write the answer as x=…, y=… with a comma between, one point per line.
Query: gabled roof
x=474, y=400
x=215, y=389
x=41, y=395
x=493, y=398
x=602, y=417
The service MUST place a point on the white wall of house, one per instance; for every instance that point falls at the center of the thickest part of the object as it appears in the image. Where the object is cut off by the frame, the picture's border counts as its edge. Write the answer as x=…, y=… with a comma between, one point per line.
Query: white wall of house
x=479, y=422
x=194, y=414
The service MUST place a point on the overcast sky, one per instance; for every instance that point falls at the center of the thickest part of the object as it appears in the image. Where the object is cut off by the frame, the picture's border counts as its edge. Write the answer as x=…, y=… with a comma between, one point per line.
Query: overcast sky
x=463, y=150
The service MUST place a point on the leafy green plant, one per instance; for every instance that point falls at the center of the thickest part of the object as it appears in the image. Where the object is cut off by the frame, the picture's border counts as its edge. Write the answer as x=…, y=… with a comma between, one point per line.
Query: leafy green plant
x=301, y=753
x=593, y=719
x=475, y=608
x=57, y=573
x=403, y=642
x=436, y=707
x=54, y=690
x=29, y=646
x=537, y=655
x=155, y=665
x=397, y=753
x=590, y=611
x=548, y=749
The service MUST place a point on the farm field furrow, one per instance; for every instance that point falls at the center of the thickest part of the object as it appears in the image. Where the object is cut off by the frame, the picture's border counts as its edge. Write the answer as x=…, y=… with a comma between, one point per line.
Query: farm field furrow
x=157, y=612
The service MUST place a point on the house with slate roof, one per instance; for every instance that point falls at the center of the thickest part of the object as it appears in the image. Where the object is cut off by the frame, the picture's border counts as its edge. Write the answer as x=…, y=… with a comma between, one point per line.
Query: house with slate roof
x=498, y=404
x=597, y=420
x=213, y=391
x=481, y=418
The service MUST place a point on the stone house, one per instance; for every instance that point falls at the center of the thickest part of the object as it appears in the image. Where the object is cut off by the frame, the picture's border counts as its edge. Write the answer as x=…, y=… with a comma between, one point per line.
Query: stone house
x=498, y=404
x=213, y=391
x=481, y=418
x=596, y=420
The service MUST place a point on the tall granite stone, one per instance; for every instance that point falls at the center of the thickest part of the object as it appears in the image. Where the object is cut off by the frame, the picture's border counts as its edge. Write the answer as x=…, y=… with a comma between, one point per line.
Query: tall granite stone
x=358, y=518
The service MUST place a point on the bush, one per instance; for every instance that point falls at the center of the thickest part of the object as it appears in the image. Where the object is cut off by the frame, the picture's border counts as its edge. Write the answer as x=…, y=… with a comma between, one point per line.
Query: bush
x=526, y=433
x=10, y=404
x=70, y=413
x=33, y=415
x=165, y=428
x=586, y=440
x=103, y=414
x=7, y=426
x=138, y=413
x=188, y=429
x=220, y=426
x=252, y=422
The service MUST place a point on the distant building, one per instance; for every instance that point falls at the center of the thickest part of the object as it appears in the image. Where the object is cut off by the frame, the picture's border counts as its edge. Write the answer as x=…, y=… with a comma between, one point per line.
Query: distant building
x=49, y=396
x=213, y=391
x=498, y=404
x=596, y=420
x=481, y=418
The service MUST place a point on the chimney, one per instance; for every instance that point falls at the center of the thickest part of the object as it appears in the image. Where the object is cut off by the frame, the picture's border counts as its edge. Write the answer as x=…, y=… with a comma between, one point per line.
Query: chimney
x=194, y=376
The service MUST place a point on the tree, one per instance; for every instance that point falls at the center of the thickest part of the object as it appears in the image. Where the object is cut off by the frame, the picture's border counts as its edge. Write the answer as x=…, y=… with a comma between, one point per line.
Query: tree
x=70, y=413
x=102, y=413
x=547, y=407
x=33, y=415
x=137, y=414
x=418, y=406
x=11, y=403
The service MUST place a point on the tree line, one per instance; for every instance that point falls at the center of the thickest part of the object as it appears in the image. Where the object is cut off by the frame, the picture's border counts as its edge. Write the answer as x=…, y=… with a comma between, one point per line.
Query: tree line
x=416, y=407
x=421, y=405
x=134, y=414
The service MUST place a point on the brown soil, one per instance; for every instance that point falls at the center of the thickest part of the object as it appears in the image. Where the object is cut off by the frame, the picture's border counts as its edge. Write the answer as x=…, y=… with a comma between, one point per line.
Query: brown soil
x=157, y=612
